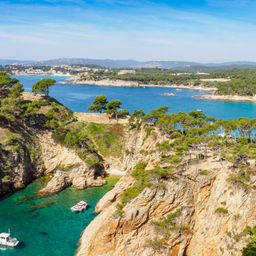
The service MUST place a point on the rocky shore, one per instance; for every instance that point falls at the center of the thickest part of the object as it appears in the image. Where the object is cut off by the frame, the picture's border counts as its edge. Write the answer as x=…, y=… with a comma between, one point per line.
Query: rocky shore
x=235, y=98
x=168, y=94
x=122, y=83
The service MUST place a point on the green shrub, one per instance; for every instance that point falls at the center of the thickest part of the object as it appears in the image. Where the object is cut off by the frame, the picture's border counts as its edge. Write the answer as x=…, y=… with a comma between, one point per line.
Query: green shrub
x=175, y=135
x=204, y=172
x=221, y=210
x=156, y=244
x=250, y=249
x=119, y=210
x=167, y=224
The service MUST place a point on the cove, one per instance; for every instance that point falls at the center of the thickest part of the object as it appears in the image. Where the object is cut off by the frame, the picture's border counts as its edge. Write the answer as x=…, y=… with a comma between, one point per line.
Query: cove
x=46, y=226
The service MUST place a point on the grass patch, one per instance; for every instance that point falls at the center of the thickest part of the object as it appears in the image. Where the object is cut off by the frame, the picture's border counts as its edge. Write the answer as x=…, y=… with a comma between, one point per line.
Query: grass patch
x=112, y=180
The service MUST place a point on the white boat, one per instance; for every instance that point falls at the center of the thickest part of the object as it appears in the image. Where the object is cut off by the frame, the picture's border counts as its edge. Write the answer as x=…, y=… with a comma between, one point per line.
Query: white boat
x=79, y=207
x=7, y=240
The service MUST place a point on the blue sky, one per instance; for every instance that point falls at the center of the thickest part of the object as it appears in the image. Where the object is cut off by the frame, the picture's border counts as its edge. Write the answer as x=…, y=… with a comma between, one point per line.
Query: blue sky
x=200, y=30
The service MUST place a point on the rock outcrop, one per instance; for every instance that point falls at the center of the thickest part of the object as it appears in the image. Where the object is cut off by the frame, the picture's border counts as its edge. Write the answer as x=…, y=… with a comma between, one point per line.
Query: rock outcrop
x=137, y=144
x=67, y=168
x=213, y=212
x=18, y=165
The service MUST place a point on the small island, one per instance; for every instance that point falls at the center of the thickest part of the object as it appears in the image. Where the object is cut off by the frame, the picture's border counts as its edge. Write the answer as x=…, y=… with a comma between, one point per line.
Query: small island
x=168, y=94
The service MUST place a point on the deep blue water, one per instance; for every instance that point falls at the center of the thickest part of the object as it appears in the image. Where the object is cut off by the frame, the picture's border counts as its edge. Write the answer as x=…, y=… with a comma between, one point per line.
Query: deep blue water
x=79, y=97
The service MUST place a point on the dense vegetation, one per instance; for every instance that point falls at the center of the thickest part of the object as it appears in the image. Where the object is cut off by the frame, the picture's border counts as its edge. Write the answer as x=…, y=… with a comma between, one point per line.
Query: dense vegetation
x=242, y=83
x=142, y=77
x=21, y=120
x=92, y=141
x=193, y=137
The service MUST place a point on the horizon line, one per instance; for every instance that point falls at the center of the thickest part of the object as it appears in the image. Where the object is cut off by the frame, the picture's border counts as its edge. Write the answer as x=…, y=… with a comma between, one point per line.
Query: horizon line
x=143, y=61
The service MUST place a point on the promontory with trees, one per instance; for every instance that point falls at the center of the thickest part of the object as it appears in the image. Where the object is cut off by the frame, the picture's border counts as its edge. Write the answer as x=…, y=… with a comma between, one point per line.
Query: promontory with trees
x=240, y=82
x=101, y=104
x=189, y=180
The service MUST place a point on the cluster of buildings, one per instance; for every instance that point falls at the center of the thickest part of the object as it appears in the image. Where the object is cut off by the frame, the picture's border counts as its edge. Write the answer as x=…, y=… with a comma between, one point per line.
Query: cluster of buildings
x=56, y=70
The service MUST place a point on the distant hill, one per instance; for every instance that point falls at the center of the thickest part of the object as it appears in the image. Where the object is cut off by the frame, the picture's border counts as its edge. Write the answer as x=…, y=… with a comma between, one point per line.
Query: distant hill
x=10, y=62
x=109, y=63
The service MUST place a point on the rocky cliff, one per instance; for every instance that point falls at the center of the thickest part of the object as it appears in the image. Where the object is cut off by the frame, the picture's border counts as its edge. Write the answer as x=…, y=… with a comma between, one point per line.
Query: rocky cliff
x=28, y=150
x=199, y=211
x=67, y=167
x=53, y=159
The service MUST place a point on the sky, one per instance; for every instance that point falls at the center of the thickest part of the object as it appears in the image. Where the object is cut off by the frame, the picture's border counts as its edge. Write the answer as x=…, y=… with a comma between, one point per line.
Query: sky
x=174, y=30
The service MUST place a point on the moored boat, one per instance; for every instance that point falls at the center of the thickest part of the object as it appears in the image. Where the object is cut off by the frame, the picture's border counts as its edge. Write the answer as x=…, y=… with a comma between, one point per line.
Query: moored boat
x=79, y=207
x=7, y=240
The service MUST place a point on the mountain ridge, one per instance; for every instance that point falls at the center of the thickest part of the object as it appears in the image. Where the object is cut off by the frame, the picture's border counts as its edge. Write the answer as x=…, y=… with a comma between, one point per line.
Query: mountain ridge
x=129, y=63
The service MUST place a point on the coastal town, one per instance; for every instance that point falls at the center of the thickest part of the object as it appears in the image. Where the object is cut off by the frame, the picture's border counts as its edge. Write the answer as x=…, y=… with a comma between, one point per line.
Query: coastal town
x=18, y=69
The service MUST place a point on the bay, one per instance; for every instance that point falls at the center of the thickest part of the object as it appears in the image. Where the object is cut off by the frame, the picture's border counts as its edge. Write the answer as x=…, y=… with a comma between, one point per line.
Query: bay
x=79, y=97
x=46, y=226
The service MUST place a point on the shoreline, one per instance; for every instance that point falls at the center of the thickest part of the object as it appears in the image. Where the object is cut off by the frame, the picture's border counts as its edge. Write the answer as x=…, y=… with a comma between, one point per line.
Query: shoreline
x=232, y=98
x=25, y=74
x=122, y=83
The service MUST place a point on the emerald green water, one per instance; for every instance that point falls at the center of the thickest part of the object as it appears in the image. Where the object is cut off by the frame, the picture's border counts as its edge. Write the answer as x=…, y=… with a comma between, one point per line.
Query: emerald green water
x=50, y=231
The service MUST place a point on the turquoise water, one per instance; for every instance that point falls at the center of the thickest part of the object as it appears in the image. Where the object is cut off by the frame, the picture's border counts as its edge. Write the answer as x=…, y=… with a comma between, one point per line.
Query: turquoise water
x=49, y=231
x=79, y=97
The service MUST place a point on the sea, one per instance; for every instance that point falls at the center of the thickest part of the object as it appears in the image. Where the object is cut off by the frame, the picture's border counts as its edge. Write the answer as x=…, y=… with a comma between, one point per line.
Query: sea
x=46, y=226
x=78, y=97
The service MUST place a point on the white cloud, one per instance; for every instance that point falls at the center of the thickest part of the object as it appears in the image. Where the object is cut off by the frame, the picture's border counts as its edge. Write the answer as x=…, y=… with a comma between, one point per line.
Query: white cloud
x=27, y=39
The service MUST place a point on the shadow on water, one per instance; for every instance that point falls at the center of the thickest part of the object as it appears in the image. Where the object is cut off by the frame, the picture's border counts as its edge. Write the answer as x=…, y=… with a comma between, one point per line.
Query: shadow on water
x=43, y=233
x=88, y=207
x=21, y=245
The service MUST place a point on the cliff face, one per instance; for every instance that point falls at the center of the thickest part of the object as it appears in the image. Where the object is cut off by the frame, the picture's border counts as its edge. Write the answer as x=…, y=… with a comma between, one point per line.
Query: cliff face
x=53, y=159
x=28, y=150
x=66, y=166
x=138, y=146
x=207, y=215
x=19, y=160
